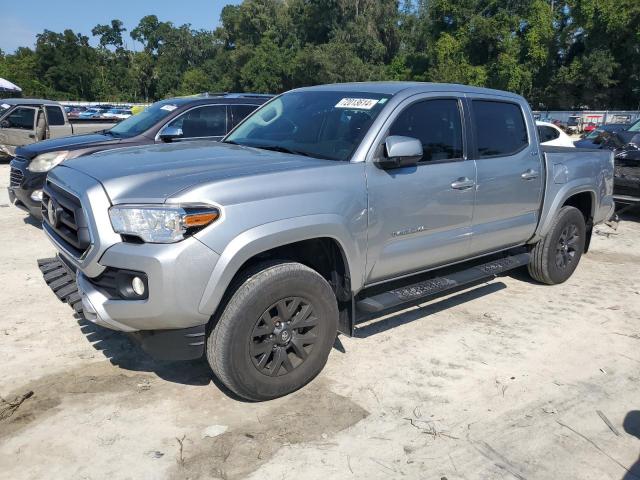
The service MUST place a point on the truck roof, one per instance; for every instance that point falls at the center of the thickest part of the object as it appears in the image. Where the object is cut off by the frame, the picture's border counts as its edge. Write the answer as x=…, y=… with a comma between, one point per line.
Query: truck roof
x=28, y=101
x=392, y=88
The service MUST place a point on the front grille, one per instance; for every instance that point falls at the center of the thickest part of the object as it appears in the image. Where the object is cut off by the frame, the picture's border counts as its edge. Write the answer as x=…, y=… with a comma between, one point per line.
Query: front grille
x=62, y=212
x=15, y=177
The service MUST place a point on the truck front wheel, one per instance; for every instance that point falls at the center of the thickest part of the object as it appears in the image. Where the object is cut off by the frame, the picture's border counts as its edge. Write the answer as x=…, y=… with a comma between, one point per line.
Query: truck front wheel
x=556, y=256
x=275, y=333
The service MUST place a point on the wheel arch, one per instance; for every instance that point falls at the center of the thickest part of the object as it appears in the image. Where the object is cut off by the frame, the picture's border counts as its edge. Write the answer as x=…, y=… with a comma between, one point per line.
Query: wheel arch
x=321, y=242
x=574, y=194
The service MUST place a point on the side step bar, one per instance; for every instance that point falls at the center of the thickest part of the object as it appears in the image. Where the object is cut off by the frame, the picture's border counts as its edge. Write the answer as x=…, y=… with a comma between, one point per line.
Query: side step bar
x=417, y=291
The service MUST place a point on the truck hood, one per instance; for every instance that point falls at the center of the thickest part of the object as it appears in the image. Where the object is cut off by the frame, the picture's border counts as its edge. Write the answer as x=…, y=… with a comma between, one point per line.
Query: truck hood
x=154, y=173
x=74, y=142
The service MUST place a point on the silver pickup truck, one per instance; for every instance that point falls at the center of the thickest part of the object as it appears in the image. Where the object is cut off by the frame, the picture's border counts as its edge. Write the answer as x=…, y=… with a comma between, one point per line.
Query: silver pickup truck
x=24, y=121
x=327, y=206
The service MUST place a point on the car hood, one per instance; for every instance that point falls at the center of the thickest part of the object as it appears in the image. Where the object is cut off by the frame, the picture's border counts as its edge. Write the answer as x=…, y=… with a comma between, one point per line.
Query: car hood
x=154, y=173
x=585, y=143
x=74, y=142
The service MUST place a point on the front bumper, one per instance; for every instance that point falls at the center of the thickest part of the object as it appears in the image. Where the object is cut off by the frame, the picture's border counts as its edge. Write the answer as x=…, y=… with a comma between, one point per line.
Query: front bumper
x=177, y=274
x=20, y=193
x=79, y=292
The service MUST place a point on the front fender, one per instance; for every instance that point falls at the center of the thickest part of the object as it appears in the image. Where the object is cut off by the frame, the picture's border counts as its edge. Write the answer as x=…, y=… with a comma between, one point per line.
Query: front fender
x=276, y=234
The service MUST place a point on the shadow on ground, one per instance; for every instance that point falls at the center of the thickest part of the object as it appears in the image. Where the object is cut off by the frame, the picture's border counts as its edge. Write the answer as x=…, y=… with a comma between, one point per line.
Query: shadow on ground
x=123, y=352
x=631, y=425
x=31, y=220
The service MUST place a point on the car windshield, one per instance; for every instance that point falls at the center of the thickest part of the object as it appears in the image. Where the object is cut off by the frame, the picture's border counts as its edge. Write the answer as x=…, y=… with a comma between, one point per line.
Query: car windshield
x=635, y=127
x=321, y=124
x=143, y=121
x=594, y=134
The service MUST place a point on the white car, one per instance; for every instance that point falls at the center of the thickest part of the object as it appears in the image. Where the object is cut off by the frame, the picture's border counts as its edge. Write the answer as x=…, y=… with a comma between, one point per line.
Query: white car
x=552, y=135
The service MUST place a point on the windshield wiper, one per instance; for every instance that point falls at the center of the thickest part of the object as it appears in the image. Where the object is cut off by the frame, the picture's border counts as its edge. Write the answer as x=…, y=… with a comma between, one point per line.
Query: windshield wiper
x=279, y=148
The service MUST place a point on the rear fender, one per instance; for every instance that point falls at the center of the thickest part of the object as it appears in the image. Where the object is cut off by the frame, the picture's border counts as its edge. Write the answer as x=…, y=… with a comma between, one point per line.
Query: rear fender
x=560, y=193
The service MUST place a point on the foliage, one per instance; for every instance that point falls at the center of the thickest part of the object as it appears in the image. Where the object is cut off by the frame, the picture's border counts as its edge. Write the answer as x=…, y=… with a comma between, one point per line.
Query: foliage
x=557, y=53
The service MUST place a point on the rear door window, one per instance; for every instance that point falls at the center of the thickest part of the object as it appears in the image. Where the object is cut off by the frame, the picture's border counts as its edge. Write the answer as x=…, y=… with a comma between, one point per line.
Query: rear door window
x=437, y=124
x=21, y=118
x=55, y=116
x=500, y=128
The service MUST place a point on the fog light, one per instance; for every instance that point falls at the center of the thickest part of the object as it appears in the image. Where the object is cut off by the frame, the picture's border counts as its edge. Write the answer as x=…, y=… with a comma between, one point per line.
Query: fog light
x=137, y=285
x=36, y=196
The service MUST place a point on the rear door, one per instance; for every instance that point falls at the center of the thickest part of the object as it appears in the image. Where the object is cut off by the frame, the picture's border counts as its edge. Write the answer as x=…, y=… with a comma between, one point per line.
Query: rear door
x=420, y=217
x=58, y=127
x=18, y=127
x=509, y=182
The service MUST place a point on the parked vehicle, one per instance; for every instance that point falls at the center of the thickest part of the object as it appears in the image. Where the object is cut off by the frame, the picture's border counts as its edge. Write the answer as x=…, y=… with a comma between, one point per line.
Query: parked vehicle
x=328, y=205
x=597, y=137
x=589, y=127
x=74, y=112
x=575, y=124
x=120, y=113
x=94, y=112
x=552, y=135
x=173, y=120
x=626, y=147
x=624, y=142
x=26, y=121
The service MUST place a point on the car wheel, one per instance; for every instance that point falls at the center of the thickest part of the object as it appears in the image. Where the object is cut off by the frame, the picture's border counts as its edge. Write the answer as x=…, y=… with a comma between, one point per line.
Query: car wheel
x=275, y=332
x=556, y=256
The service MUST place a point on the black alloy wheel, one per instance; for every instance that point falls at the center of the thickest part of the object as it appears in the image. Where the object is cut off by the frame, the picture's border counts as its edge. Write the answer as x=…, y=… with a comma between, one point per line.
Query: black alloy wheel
x=283, y=336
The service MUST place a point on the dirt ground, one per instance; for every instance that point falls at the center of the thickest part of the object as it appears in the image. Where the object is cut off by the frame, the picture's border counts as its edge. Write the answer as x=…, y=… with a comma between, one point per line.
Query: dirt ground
x=507, y=380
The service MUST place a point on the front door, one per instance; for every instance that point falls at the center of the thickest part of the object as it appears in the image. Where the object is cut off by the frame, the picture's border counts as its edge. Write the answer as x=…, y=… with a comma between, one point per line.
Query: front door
x=18, y=128
x=509, y=184
x=420, y=217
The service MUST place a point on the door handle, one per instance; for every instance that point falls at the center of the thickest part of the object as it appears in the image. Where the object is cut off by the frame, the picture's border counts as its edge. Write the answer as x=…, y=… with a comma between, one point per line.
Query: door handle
x=529, y=175
x=463, y=183
x=31, y=135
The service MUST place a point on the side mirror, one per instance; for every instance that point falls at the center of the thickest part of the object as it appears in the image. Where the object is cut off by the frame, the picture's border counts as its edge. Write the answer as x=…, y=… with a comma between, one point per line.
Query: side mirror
x=400, y=152
x=169, y=134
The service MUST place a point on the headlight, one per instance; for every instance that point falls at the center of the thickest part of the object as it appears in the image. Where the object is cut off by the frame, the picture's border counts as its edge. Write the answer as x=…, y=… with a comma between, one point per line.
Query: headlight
x=46, y=161
x=161, y=223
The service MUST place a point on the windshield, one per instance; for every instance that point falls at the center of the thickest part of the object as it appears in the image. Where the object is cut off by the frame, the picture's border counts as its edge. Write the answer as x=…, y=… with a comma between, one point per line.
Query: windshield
x=319, y=124
x=4, y=107
x=635, y=127
x=594, y=134
x=143, y=121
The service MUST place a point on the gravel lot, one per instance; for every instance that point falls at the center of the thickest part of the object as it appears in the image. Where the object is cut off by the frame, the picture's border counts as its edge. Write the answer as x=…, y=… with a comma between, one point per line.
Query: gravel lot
x=508, y=380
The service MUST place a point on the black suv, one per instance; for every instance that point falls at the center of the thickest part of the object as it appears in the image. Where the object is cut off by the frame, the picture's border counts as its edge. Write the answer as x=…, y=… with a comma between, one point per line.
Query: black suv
x=201, y=117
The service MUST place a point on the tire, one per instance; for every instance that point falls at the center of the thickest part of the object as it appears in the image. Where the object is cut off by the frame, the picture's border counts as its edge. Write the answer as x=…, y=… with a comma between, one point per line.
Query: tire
x=556, y=256
x=254, y=351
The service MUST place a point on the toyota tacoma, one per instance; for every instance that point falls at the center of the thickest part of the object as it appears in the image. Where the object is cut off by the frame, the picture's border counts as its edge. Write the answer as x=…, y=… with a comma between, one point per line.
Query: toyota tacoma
x=326, y=206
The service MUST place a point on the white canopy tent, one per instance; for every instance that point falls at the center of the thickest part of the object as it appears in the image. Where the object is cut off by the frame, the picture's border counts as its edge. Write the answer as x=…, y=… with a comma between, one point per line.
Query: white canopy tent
x=7, y=87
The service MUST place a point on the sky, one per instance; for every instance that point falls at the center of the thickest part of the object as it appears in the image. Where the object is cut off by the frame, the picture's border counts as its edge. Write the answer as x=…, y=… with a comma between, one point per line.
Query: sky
x=21, y=20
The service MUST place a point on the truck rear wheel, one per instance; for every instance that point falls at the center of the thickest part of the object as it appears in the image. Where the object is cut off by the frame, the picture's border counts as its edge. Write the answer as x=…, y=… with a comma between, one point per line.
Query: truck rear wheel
x=275, y=333
x=556, y=256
